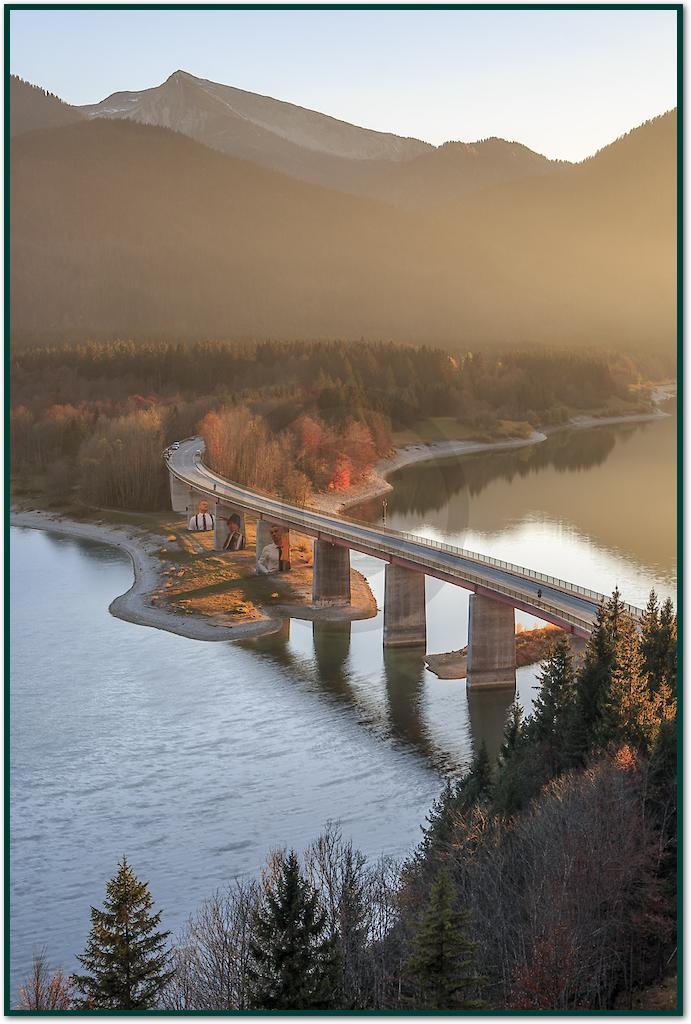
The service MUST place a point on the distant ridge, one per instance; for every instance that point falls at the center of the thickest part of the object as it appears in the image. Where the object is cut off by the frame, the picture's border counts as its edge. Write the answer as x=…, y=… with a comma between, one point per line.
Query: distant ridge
x=314, y=147
x=128, y=230
x=32, y=107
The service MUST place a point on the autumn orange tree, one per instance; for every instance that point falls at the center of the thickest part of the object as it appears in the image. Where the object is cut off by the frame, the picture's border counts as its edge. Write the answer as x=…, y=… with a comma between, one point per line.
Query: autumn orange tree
x=43, y=990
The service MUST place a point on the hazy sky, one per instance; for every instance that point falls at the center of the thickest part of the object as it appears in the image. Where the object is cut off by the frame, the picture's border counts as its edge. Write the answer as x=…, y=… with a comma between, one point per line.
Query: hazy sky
x=564, y=83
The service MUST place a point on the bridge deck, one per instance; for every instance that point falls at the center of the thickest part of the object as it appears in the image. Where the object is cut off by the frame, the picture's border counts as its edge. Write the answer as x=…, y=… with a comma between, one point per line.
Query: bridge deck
x=561, y=603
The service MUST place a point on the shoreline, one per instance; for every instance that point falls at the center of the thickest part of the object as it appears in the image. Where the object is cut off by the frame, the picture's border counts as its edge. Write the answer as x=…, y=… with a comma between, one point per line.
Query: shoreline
x=135, y=604
x=377, y=483
x=141, y=545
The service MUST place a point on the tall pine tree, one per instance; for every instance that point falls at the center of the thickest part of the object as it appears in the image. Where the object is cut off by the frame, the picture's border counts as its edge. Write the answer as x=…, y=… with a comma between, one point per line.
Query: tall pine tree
x=650, y=629
x=667, y=646
x=293, y=963
x=553, y=705
x=513, y=731
x=125, y=958
x=442, y=956
x=594, y=681
x=628, y=713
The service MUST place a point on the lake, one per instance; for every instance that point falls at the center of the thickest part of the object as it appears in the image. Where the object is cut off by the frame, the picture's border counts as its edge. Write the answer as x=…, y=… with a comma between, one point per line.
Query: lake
x=195, y=759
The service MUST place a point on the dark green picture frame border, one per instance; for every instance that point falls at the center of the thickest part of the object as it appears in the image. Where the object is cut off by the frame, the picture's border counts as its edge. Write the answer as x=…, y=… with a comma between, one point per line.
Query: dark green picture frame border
x=679, y=8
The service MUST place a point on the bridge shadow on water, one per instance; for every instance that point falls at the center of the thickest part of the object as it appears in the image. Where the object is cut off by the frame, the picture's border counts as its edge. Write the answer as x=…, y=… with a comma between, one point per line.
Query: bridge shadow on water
x=389, y=691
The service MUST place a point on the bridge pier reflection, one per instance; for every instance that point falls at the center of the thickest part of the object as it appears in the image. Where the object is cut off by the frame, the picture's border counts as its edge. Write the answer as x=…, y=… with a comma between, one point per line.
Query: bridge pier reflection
x=331, y=642
x=404, y=672
x=487, y=711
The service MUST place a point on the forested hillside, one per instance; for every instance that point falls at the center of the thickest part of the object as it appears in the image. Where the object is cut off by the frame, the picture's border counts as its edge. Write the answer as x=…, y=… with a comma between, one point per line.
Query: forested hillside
x=91, y=421
x=126, y=230
x=32, y=107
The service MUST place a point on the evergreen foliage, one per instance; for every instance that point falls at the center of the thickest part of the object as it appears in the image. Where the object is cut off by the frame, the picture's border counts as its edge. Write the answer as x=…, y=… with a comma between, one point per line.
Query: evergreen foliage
x=442, y=956
x=650, y=629
x=512, y=732
x=553, y=707
x=477, y=784
x=315, y=414
x=293, y=963
x=666, y=668
x=351, y=936
x=126, y=960
x=594, y=682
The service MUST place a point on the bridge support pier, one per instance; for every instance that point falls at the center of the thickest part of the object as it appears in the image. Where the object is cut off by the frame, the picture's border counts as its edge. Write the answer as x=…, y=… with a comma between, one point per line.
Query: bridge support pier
x=404, y=607
x=181, y=495
x=331, y=574
x=491, y=644
x=269, y=537
x=229, y=520
x=185, y=499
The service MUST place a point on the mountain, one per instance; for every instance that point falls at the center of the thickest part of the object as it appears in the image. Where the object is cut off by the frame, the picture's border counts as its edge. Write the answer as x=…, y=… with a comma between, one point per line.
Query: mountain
x=320, y=149
x=454, y=171
x=284, y=137
x=127, y=230
x=589, y=251
x=32, y=107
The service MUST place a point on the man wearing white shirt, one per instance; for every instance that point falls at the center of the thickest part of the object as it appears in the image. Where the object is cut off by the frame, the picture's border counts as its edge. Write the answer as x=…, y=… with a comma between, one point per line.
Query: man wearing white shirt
x=202, y=520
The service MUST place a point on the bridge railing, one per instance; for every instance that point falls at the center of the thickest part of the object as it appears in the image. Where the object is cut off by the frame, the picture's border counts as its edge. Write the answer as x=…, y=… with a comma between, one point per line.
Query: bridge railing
x=301, y=515
x=516, y=570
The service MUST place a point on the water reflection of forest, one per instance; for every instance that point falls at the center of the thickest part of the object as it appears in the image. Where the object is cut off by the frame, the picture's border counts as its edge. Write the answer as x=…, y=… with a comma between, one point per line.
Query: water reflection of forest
x=427, y=486
x=614, y=486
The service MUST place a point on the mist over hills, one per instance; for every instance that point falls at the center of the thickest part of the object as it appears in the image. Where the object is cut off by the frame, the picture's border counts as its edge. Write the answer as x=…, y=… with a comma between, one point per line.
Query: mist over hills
x=131, y=230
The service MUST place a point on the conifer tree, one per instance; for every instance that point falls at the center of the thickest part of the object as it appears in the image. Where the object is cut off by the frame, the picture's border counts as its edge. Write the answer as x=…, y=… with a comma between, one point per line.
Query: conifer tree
x=477, y=784
x=438, y=832
x=667, y=646
x=649, y=641
x=352, y=933
x=442, y=957
x=456, y=799
x=594, y=681
x=521, y=770
x=628, y=713
x=292, y=961
x=513, y=731
x=125, y=958
x=553, y=705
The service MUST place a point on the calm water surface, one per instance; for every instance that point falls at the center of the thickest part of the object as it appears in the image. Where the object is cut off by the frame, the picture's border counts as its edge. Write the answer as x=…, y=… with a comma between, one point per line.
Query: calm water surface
x=196, y=758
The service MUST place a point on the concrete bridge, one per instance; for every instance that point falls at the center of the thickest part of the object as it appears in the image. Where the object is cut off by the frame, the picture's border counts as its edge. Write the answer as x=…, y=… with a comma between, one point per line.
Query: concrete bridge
x=498, y=588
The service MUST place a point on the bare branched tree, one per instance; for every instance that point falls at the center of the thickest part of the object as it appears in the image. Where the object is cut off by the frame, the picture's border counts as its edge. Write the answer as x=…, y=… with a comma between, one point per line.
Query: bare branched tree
x=44, y=990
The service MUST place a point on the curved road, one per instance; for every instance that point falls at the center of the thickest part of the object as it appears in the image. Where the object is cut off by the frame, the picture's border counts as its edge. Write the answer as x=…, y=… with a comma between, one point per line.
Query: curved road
x=561, y=603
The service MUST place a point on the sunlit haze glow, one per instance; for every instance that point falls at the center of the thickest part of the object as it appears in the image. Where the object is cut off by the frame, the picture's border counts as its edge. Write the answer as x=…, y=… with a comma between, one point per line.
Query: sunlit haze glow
x=564, y=83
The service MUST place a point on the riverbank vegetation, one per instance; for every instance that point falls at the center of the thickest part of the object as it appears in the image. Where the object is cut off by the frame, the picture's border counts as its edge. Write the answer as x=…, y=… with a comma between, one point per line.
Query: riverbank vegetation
x=90, y=421
x=550, y=875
